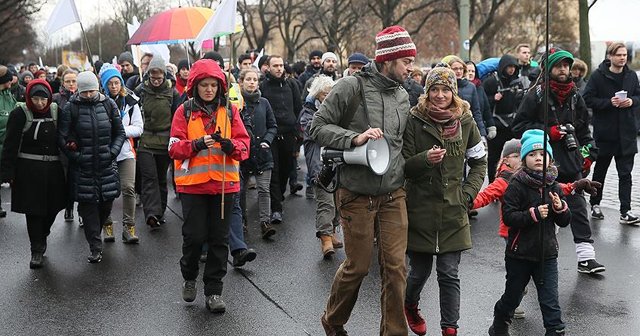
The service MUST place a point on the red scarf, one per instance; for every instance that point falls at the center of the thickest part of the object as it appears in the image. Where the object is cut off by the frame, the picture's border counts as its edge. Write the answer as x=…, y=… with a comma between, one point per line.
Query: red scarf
x=561, y=90
x=476, y=81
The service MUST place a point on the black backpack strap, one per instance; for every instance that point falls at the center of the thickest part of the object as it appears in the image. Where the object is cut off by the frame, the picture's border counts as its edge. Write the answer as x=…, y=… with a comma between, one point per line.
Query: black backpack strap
x=352, y=107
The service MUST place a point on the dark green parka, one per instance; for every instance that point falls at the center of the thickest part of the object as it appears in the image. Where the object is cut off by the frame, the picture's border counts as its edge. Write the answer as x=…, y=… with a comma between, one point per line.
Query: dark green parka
x=437, y=196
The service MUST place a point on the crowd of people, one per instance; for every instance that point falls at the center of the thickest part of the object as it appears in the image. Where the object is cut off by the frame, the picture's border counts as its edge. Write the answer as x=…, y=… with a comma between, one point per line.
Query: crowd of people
x=89, y=137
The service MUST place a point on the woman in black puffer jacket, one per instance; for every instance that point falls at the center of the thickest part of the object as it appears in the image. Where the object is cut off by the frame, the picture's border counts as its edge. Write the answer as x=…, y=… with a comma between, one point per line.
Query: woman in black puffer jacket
x=91, y=135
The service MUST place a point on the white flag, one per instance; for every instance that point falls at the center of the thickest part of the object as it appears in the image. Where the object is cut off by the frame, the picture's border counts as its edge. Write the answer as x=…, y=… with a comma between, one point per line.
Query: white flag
x=222, y=22
x=255, y=63
x=63, y=15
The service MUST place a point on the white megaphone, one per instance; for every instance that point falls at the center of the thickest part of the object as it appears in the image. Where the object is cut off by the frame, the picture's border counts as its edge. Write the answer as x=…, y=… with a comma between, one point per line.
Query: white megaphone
x=373, y=154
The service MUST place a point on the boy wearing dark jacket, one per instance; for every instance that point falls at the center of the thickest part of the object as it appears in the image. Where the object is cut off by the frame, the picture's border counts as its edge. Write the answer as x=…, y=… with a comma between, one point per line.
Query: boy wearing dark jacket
x=524, y=212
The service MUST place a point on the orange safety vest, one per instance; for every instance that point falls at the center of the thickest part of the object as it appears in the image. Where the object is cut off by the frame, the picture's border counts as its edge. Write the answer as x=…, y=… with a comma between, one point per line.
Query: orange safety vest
x=211, y=163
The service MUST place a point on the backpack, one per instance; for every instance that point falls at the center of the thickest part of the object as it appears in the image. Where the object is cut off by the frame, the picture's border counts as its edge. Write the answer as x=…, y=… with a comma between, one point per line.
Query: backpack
x=29, y=115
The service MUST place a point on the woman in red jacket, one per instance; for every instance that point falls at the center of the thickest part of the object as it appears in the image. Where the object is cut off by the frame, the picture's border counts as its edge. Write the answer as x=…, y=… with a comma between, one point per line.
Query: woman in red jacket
x=207, y=144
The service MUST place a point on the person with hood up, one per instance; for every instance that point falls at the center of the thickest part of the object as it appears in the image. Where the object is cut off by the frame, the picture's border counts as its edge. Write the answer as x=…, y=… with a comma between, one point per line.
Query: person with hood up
x=91, y=135
x=127, y=102
x=31, y=164
x=504, y=92
x=158, y=100
x=7, y=104
x=440, y=136
x=207, y=143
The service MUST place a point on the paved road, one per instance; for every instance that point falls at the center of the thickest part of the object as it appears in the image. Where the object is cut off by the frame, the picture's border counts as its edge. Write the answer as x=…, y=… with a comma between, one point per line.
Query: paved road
x=136, y=289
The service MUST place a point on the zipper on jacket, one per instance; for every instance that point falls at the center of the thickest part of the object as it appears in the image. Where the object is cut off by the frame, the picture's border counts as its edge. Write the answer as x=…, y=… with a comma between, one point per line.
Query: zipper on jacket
x=437, y=241
x=514, y=245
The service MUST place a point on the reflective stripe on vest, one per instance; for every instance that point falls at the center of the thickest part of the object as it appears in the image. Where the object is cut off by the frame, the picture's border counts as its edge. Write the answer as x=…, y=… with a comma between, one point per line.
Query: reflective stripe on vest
x=212, y=163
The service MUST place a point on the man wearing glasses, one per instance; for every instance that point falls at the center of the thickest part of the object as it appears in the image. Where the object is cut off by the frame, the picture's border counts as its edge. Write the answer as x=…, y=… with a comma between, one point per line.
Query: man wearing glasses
x=158, y=101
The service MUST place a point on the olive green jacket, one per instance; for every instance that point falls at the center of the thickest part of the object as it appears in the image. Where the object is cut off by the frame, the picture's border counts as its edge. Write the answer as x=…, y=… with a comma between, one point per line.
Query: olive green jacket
x=388, y=106
x=438, y=196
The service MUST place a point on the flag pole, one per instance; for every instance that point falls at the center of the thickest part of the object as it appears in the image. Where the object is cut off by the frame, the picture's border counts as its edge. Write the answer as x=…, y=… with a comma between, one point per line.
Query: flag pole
x=224, y=155
x=86, y=41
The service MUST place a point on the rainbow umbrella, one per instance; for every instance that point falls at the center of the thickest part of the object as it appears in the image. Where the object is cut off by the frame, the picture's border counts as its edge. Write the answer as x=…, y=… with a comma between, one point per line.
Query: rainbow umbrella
x=172, y=26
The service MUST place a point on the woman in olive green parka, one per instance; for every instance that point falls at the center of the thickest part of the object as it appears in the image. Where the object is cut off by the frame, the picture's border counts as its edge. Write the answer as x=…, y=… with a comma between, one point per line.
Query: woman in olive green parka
x=440, y=137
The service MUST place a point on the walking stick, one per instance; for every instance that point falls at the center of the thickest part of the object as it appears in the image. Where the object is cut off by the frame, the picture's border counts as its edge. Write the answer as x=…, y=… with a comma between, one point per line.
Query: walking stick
x=545, y=131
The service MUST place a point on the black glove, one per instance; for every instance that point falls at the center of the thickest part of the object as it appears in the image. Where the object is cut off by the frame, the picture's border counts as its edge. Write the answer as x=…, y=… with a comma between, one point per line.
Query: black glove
x=226, y=145
x=198, y=144
x=216, y=136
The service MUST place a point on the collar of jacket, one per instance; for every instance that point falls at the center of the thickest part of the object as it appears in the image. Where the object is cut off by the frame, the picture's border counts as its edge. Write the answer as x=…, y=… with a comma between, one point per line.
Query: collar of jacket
x=274, y=79
x=379, y=80
x=604, y=69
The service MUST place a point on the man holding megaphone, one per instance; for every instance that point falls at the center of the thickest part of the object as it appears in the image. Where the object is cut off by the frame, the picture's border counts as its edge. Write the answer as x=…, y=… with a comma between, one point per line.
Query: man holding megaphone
x=370, y=110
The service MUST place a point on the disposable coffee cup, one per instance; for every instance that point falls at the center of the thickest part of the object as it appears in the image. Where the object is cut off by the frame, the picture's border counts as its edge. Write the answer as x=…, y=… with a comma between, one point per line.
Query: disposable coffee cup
x=622, y=95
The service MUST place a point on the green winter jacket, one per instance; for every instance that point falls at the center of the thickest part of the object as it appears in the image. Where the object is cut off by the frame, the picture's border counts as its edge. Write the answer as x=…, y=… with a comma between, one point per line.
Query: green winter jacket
x=437, y=196
x=388, y=106
x=7, y=104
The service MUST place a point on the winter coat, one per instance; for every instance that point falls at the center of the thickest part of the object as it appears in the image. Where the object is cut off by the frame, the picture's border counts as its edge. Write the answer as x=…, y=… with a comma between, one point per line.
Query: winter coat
x=388, y=109
x=7, y=104
x=312, y=151
x=467, y=91
x=485, y=107
x=61, y=98
x=260, y=124
x=414, y=89
x=309, y=72
x=574, y=111
x=614, y=129
x=510, y=100
x=99, y=136
x=438, y=196
x=520, y=213
x=181, y=147
x=132, y=122
x=38, y=187
x=158, y=105
x=18, y=92
x=284, y=96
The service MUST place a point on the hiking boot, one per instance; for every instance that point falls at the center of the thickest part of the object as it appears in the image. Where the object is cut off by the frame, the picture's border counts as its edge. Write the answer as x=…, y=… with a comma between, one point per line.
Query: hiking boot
x=596, y=213
x=189, y=290
x=244, y=256
x=37, y=260
x=95, y=257
x=499, y=328
x=590, y=266
x=332, y=330
x=448, y=331
x=3, y=213
x=276, y=217
x=80, y=223
x=68, y=215
x=629, y=218
x=335, y=241
x=107, y=230
x=215, y=304
x=416, y=322
x=203, y=257
x=153, y=222
x=518, y=313
x=294, y=188
x=129, y=234
x=309, y=193
x=326, y=246
x=555, y=332
x=267, y=230
x=472, y=213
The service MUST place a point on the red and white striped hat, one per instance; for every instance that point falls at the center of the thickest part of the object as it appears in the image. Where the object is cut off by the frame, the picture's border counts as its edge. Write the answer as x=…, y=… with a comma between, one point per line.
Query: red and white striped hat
x=392, y=43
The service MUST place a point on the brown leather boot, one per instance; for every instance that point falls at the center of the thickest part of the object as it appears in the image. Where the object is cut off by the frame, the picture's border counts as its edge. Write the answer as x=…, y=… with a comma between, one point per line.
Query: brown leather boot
x=335, y=241
x=327, y=247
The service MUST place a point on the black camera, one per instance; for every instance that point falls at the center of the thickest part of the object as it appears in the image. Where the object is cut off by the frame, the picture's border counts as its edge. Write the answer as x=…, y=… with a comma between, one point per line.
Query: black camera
x=569, y=138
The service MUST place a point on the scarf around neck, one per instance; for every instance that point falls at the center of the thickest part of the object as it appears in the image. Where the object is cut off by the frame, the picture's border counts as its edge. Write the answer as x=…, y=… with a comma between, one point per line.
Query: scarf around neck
x=533, y=178
x=561, y=90
x=251, y=97
x=448, y=121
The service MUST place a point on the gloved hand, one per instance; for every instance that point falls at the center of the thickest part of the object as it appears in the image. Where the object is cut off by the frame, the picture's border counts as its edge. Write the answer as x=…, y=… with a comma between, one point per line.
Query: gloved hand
x=198, y=144
x=71, y=146
x=216, y=136
x=586, y=166
x=492, y=131
x=555, y=133
x=588, y=186
x=226, y=145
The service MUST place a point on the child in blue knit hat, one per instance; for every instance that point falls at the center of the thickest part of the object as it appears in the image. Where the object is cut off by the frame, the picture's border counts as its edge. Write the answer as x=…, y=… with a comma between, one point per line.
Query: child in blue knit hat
x=531, y=204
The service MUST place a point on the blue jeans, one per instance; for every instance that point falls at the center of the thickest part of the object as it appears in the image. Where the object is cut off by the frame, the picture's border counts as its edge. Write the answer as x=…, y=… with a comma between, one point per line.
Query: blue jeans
x=519, y=272
x=447, y=269
x=236, y=233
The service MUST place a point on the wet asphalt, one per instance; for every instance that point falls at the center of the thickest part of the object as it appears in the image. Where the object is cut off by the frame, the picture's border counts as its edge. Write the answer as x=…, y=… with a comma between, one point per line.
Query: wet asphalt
x=136, y=289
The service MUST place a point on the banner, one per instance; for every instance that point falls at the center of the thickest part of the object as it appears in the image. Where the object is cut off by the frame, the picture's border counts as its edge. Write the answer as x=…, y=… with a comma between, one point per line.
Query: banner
x=74, y=59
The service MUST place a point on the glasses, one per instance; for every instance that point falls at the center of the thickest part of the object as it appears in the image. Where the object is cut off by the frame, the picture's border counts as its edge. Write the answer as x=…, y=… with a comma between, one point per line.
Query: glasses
x=156, y=79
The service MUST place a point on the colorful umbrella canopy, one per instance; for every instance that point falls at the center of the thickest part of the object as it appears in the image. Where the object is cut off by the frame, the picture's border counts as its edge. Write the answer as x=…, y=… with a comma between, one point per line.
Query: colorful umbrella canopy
x=175, y=25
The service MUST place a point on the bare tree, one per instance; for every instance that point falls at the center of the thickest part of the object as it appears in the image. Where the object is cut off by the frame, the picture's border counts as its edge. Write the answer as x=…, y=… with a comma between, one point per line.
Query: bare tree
x=398, y=12
x=259, y=20
x=335, y=21
x=125, y=10
x=15, y=25
x=585, y=37
x=292, y=25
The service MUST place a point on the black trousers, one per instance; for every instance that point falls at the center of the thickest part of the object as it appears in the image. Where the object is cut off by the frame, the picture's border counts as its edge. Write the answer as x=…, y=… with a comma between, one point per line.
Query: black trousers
x=39, y=227
x=203, y=224
x=153, y=173
x=624, y=166
x=282, y=149
x=495, y=149
x=94, y=215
